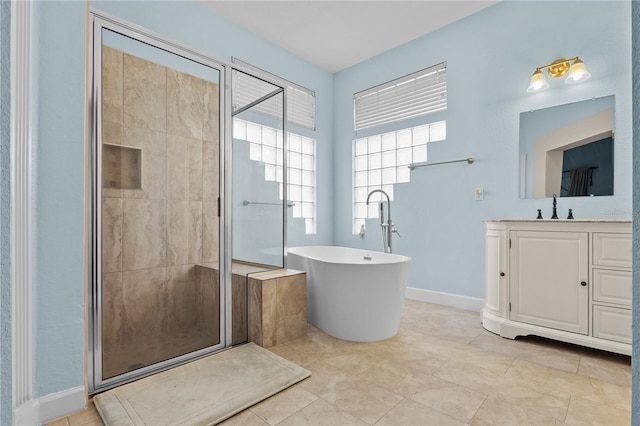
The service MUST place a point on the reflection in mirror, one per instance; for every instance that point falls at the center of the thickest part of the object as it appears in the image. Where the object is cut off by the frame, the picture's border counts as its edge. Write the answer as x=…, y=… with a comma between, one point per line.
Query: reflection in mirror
x=567, y=150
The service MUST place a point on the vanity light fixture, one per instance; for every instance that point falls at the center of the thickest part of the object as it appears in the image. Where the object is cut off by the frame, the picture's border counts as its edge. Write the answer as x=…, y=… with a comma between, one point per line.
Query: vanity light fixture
x=574, y=68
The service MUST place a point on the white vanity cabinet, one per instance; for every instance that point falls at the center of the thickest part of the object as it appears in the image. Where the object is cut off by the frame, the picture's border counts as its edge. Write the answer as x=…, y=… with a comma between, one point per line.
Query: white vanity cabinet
x=567, y=280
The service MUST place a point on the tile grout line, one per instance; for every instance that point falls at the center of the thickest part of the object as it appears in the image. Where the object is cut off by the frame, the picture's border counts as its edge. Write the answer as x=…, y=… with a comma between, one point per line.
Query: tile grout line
x=486, y=398
x=387, y=412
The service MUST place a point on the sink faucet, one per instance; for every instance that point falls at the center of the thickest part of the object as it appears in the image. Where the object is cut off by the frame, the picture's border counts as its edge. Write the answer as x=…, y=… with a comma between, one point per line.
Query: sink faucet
x=555, y=211
x=388, y=228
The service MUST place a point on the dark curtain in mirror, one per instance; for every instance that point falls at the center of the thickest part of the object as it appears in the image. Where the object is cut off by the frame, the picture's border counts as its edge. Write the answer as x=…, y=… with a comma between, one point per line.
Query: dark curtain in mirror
x=588, y=170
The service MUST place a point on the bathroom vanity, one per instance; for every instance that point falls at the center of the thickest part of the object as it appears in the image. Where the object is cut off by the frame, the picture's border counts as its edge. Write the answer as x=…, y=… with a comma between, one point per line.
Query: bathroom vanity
x=567, y=280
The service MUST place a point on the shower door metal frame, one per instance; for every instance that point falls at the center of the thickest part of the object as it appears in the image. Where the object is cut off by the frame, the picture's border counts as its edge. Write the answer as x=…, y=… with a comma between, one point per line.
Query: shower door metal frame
x=100, y=21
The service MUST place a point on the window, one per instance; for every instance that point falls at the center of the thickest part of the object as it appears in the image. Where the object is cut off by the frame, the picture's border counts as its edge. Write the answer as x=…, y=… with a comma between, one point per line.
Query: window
x=413, y=95
x=301, y=102
x=302, y=179
x=380, y=161
x=265, y=144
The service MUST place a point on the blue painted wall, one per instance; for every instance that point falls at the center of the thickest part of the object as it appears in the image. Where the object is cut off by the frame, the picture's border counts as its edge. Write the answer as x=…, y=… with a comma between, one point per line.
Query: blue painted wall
x=635, y=358
x=59, y=202
x=491, y=56
x=58, y=161
x=5, y=215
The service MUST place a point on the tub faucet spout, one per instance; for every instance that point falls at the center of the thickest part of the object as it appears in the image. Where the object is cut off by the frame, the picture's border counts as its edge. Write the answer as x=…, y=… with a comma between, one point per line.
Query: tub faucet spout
x=387, y=227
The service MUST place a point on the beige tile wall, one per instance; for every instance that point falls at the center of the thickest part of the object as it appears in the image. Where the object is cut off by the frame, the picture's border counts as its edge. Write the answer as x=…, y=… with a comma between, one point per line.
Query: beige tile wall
x=153, y=236
x=277, y=306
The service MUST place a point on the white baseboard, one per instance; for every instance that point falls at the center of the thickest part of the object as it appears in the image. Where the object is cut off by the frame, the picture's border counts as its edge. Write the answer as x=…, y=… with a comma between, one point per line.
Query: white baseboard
x=51, y=407
x=447, y=299
x=26, y=414
x=61, y=404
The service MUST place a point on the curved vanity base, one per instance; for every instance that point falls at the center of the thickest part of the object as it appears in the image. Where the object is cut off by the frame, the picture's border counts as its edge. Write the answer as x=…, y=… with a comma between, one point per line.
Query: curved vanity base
x=566, y=280
x=511, y=329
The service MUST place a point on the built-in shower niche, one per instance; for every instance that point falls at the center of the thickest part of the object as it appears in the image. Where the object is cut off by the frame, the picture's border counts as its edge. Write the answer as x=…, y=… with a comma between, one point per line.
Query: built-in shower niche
x=121, y=167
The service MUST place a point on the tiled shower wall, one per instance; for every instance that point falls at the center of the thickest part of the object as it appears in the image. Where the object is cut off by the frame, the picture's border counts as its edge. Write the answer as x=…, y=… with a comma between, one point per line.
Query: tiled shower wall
x=153, y=235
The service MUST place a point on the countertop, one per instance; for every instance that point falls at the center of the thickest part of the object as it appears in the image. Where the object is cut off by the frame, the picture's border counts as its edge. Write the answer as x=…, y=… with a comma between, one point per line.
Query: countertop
x=560, y=220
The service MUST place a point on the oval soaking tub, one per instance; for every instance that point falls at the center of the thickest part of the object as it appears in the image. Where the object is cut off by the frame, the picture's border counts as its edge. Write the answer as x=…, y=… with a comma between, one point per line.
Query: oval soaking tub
x=352, y=294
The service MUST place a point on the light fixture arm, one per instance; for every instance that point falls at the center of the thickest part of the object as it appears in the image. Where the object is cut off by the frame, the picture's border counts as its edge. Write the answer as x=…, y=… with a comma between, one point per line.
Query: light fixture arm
x=558, y=68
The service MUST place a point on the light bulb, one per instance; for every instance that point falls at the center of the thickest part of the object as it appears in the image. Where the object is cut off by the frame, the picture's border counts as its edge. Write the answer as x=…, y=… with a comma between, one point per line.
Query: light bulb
x=577, y=73
x=538, y=82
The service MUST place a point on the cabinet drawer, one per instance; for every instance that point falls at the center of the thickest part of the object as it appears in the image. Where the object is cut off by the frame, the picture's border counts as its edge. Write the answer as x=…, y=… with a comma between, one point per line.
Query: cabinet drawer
x=612, y=250
x=612, y=323
x=612, y=286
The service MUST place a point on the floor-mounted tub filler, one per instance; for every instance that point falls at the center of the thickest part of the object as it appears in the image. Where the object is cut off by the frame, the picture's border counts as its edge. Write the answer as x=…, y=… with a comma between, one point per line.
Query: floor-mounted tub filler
x=353, y=294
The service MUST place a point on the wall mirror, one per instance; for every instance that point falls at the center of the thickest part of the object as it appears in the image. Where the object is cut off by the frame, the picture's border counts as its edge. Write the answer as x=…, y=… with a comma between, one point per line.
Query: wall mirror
x=567, y=150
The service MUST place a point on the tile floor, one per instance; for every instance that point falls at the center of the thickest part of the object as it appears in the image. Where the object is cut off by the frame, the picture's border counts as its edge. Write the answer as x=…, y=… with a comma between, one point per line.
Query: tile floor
x=442, y=368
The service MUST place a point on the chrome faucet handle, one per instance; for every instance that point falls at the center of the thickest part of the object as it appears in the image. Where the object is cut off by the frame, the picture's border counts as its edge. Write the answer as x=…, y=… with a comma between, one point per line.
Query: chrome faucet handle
x=395, y=231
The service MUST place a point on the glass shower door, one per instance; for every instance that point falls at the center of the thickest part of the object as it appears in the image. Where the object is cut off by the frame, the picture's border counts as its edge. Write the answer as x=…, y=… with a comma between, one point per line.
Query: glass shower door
x=157, y=187
x=258, y=178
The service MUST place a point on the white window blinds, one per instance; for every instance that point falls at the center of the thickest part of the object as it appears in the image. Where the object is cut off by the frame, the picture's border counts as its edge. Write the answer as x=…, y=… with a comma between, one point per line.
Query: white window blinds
x=247, y=89
x=301, y=102
x=416, y=94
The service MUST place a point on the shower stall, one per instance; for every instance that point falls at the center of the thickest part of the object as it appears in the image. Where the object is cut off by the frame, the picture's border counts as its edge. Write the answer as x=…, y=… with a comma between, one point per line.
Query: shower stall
x=181, y=211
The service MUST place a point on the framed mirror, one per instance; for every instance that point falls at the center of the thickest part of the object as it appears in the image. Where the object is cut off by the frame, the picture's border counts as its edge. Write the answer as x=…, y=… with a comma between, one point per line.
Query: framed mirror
x=567, y=150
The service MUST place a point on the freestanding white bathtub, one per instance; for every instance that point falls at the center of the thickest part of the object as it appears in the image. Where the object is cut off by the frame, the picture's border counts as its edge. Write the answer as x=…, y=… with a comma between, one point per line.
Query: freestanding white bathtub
x=352, y=294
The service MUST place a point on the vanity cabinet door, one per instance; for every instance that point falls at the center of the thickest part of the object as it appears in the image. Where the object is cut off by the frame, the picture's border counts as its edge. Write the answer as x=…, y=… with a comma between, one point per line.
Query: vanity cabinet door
x=496, y=271
x=549, y=279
